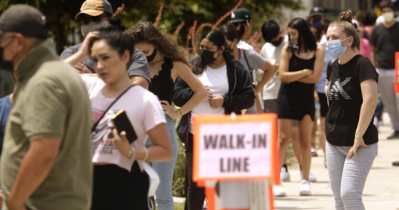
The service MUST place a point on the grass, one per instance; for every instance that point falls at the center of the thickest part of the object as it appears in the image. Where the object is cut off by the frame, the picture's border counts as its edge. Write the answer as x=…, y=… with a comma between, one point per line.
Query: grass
x=179, y=206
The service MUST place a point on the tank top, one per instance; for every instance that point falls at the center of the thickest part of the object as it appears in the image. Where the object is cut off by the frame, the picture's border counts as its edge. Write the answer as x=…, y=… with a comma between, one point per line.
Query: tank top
x=296, y=90
x=162, y=84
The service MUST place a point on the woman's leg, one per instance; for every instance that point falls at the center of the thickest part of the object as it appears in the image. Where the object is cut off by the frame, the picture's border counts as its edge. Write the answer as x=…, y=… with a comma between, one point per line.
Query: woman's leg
x=284, y=135
x=354, y=177
x=335, y=161
x=195, y=195
x=305, y=129
x=101, y=189
x=295, y=143
x=165, y=171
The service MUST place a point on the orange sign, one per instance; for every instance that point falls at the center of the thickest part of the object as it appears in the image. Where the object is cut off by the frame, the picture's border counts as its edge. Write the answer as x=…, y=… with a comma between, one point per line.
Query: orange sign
x=244, y=148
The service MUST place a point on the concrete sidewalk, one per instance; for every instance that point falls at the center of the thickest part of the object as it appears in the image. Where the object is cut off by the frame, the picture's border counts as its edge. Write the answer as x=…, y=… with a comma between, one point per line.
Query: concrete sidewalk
x=382, y=186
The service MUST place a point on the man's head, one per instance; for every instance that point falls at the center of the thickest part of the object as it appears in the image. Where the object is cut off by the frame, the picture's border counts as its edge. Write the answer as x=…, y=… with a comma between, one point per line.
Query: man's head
x=388, y=10
x=93, y=15
x=316, y=15
x=271, y=32
x=242, y=20
x=22, y=27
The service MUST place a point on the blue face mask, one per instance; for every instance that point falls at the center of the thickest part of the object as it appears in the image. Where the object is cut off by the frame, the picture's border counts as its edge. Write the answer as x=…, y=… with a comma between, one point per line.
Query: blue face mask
x=335, y=49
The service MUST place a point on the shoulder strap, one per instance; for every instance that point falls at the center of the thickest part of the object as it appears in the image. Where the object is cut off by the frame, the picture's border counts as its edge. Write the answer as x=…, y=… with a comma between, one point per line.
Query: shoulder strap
x=106, y=110
x=329, y=68
x=246, y=60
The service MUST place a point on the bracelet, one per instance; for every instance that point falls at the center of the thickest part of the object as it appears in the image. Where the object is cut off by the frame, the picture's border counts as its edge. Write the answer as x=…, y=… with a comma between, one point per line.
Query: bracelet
x=132, y=154
x=146, y=153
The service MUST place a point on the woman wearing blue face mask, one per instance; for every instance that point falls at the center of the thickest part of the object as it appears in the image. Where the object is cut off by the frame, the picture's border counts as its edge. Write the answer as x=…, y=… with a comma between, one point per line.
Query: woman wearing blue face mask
x=351, y=89
x=301, y=65
x=230, y=90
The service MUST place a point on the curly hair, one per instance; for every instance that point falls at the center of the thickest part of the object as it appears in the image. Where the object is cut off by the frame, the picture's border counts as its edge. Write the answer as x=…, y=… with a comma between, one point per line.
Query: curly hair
x=146, y=32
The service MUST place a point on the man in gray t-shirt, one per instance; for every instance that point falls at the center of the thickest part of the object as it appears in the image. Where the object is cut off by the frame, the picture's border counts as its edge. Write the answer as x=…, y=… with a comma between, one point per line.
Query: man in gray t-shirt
x=93, y=15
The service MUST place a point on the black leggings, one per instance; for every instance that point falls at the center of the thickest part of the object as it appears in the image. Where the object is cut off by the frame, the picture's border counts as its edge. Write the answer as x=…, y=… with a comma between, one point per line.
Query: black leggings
x=195, y=195
x=116, y=188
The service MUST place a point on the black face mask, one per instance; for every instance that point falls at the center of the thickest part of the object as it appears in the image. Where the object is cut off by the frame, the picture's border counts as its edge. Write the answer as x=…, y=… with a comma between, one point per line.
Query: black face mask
x=207, y=56
x=5, y=65
x=278, y=42
x=152, y=56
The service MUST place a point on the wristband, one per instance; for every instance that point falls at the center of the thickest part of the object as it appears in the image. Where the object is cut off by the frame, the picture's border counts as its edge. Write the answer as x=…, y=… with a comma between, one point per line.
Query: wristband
x=132, y=154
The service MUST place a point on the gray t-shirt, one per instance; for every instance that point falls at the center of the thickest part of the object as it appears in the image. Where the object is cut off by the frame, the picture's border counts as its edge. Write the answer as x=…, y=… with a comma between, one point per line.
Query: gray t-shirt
x=138, y=65
x=255, y=60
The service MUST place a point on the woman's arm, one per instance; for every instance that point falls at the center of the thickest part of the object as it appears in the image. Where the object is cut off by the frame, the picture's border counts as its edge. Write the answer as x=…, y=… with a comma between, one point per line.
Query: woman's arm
x=200, y=93
x=317, y=69
x=369, y=94
x=161, y=150
x=326, y=90
x=285, y=75
x=268, y=73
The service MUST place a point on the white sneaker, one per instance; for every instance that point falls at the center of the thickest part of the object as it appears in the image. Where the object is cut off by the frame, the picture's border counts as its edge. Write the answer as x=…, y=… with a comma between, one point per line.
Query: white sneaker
x=204, y=206
x=312, y=177
x=304, y=188
x=279, y=191
x=284, y=175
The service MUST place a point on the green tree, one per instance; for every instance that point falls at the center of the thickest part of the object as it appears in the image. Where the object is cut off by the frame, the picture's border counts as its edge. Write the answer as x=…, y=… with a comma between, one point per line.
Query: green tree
x=60, y=13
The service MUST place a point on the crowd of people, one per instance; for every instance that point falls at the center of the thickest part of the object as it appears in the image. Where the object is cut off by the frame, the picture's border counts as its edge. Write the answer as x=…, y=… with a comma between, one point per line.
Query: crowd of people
x=312, y=68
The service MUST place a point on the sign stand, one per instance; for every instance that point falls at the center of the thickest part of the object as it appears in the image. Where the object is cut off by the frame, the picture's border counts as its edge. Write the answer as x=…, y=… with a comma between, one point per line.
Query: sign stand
x=235, y=159
x=397, y=72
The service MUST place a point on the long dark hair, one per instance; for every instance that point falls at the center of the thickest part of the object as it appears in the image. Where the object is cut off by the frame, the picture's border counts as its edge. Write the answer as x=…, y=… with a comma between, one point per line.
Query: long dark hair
x=229, y=31
x=322, y=26
x=217, y=39
x=146, y=32
x=305, y=36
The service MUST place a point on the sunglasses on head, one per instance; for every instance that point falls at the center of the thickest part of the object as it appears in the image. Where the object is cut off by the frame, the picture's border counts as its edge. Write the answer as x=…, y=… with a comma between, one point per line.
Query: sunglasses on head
x=87, y=20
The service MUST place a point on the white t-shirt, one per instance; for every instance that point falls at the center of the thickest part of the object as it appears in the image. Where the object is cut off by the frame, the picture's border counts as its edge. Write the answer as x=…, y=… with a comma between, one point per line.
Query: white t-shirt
x=144, y=112
x=243, y=45
x=217, y=82
x=272, y=54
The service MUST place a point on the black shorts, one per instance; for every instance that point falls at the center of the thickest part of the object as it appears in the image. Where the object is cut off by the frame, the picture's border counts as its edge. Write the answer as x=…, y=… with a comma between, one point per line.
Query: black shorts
x=116, y=188
x=323, y=104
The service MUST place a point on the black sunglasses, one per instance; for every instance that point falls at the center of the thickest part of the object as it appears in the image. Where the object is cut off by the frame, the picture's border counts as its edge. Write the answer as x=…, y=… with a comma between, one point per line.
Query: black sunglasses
x=96, y=19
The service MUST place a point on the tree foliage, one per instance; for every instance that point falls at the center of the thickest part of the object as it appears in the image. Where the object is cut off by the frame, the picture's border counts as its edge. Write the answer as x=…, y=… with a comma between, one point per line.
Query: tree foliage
x=60, y=13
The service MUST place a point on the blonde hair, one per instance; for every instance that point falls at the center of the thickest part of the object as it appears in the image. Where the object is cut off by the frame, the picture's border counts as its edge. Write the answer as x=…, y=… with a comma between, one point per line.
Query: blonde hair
x=345, y=23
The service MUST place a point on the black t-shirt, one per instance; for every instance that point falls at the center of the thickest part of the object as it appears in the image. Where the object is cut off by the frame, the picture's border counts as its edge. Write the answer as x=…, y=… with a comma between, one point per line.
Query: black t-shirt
x=345, y=100
x=386, y=40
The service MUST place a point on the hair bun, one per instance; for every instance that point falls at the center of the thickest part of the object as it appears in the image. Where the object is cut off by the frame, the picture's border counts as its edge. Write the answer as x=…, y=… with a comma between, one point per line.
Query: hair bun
x=346, y=16
x=116, y=23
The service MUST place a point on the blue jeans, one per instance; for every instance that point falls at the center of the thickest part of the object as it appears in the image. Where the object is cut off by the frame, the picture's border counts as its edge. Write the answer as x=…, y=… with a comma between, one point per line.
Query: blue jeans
x=163, y=194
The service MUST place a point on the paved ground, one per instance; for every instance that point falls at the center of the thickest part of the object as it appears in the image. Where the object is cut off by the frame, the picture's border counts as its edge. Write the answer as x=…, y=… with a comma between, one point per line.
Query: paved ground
x=382, y=186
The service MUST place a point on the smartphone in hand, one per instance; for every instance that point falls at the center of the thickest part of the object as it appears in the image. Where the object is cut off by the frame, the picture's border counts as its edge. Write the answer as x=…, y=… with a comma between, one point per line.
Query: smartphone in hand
x=122, y=123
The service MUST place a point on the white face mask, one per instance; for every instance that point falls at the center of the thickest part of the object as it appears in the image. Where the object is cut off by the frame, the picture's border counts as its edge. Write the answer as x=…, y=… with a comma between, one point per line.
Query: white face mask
x=93, y=26
x=388, y=16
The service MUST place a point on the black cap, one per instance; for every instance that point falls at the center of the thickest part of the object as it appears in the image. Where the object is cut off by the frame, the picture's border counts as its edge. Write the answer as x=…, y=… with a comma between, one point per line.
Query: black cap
x=317, y=11
x=24, y=19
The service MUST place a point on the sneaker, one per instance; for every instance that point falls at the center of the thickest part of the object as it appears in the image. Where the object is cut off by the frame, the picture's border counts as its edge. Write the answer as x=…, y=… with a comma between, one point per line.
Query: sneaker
x=314, y=152
x=304, y=188
x=394, y=135
x=279, y=191
x=284, y=175
x=312, y=177
x=204, y=206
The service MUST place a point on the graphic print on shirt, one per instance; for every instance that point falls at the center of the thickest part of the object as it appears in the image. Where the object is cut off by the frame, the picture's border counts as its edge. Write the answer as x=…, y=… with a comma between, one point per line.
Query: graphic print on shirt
x=102, y=137
x=338, y=88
